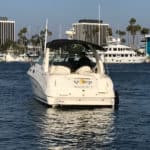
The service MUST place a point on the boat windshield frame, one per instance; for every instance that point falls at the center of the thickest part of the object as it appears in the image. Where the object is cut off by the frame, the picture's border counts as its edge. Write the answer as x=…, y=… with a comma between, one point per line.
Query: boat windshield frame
x=76, y=48
x=56, y=44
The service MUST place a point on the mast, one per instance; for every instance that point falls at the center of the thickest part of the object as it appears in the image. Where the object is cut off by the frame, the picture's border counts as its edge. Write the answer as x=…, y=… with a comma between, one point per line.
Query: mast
x=46, y=29
x=99, y=33
x=60, y=31
x=46, y=50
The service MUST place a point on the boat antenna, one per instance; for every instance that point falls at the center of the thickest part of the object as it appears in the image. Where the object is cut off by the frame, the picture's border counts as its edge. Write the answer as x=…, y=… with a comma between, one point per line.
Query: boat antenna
x=46, y=50
x=99, y=35
x=60, y=31
x=46, y=30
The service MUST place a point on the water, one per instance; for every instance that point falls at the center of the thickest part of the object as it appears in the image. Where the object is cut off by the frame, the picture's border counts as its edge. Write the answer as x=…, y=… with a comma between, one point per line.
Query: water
x=27, y=124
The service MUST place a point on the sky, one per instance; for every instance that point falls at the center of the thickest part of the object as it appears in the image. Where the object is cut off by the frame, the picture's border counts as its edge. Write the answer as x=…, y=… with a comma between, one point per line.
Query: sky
x=61, y=14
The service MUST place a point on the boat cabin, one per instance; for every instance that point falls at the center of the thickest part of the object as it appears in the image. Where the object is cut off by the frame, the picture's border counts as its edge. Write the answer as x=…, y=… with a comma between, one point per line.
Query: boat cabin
x=71, y=57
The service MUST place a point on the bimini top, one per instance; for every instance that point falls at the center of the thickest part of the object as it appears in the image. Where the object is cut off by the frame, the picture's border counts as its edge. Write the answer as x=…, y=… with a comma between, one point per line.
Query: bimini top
x=56, y=44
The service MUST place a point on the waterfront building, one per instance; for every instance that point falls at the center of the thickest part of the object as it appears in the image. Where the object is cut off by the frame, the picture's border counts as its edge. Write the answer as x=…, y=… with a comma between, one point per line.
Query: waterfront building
x=147, y=37
x=7, y=31
x=94, y=31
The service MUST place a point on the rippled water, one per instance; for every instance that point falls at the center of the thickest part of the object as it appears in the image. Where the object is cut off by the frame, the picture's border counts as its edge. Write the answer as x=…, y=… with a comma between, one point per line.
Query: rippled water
x=27, y=124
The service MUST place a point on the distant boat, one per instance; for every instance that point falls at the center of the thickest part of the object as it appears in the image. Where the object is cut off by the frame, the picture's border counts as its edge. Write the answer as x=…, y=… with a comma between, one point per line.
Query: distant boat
x=33, y=54
x=10, y=57
x=119, y=53
x=2, y=57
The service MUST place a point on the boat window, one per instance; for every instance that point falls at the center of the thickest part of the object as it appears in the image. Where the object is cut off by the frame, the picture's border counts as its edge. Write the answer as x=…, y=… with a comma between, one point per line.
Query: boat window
x=115, y=49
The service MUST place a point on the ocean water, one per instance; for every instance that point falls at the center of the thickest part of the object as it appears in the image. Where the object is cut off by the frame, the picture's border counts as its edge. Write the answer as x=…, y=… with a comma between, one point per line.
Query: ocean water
x=26, y=124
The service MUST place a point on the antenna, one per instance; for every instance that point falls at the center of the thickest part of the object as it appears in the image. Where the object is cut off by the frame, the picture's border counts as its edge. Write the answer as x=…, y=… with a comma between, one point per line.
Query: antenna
x=99, y=35
x=46, y=28
x=60, y=31
x=46, y=50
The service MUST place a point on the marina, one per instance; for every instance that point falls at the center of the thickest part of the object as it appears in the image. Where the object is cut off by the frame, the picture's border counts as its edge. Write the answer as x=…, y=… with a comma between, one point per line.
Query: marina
x=79, y=83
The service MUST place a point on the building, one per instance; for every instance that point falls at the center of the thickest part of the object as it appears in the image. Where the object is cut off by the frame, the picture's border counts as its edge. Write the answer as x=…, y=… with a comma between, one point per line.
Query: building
x=93, y=31
x=7, y=31
x=147, y=37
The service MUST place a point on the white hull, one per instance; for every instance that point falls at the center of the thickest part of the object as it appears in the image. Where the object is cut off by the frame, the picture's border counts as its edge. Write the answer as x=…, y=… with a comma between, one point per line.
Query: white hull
x=70, y=96
x=120, y=60
x=41, y=96
x=13, y=58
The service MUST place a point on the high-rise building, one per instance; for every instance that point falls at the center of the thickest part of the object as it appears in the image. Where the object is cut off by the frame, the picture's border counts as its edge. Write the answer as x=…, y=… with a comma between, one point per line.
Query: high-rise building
x=93, y=31
x=7, y=31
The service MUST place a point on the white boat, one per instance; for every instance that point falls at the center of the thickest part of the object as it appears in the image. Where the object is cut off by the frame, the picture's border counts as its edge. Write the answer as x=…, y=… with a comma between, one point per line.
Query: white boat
x=118, y=53
x=2, y=57
x=10, y=57
x=58, y=81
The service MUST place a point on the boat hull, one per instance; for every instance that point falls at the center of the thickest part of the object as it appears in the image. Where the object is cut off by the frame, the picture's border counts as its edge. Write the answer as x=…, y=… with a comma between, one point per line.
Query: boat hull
x=55, y=101
x=120, y=60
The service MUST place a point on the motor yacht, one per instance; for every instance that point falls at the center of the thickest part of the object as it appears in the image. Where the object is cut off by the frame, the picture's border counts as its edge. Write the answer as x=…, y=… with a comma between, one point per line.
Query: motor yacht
x=61, y=79
x=119, y=53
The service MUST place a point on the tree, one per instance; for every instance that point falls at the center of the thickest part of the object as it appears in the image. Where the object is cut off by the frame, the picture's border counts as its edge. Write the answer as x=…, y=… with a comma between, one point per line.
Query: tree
x=22, y=37
x=144, y=31
x=35, y=40
x=110, y=33
x=133, y=29
x=42, y=37
x=121, y=35
x=9, y=44
x=3, y=18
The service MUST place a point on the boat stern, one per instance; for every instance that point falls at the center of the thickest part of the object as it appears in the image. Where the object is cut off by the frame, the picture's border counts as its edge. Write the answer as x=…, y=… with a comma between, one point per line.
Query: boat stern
x=80, y=90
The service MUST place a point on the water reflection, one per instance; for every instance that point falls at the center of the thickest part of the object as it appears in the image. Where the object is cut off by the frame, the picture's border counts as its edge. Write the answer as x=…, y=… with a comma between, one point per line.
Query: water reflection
x=76, y=128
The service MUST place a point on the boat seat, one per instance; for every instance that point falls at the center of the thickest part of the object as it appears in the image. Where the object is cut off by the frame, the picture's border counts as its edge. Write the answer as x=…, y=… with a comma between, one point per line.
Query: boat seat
x=61, y=70
x=84, y=70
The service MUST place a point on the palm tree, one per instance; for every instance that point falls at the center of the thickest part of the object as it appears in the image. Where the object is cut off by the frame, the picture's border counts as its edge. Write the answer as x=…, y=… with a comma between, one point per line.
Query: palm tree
x=110, y=33
x=133, y=29
x=144, y=31
x=35, y=40
x=9, y=44
x=22, y=37
x=121, y=35
x=42, y=37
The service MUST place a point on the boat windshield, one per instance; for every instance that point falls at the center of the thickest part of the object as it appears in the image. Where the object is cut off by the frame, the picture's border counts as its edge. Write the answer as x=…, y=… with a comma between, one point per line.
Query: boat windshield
x=71, y=53
x=73, y=61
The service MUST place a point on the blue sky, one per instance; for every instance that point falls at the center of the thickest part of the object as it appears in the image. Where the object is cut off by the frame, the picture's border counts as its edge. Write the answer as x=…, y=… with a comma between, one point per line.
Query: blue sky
x=33, y=13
